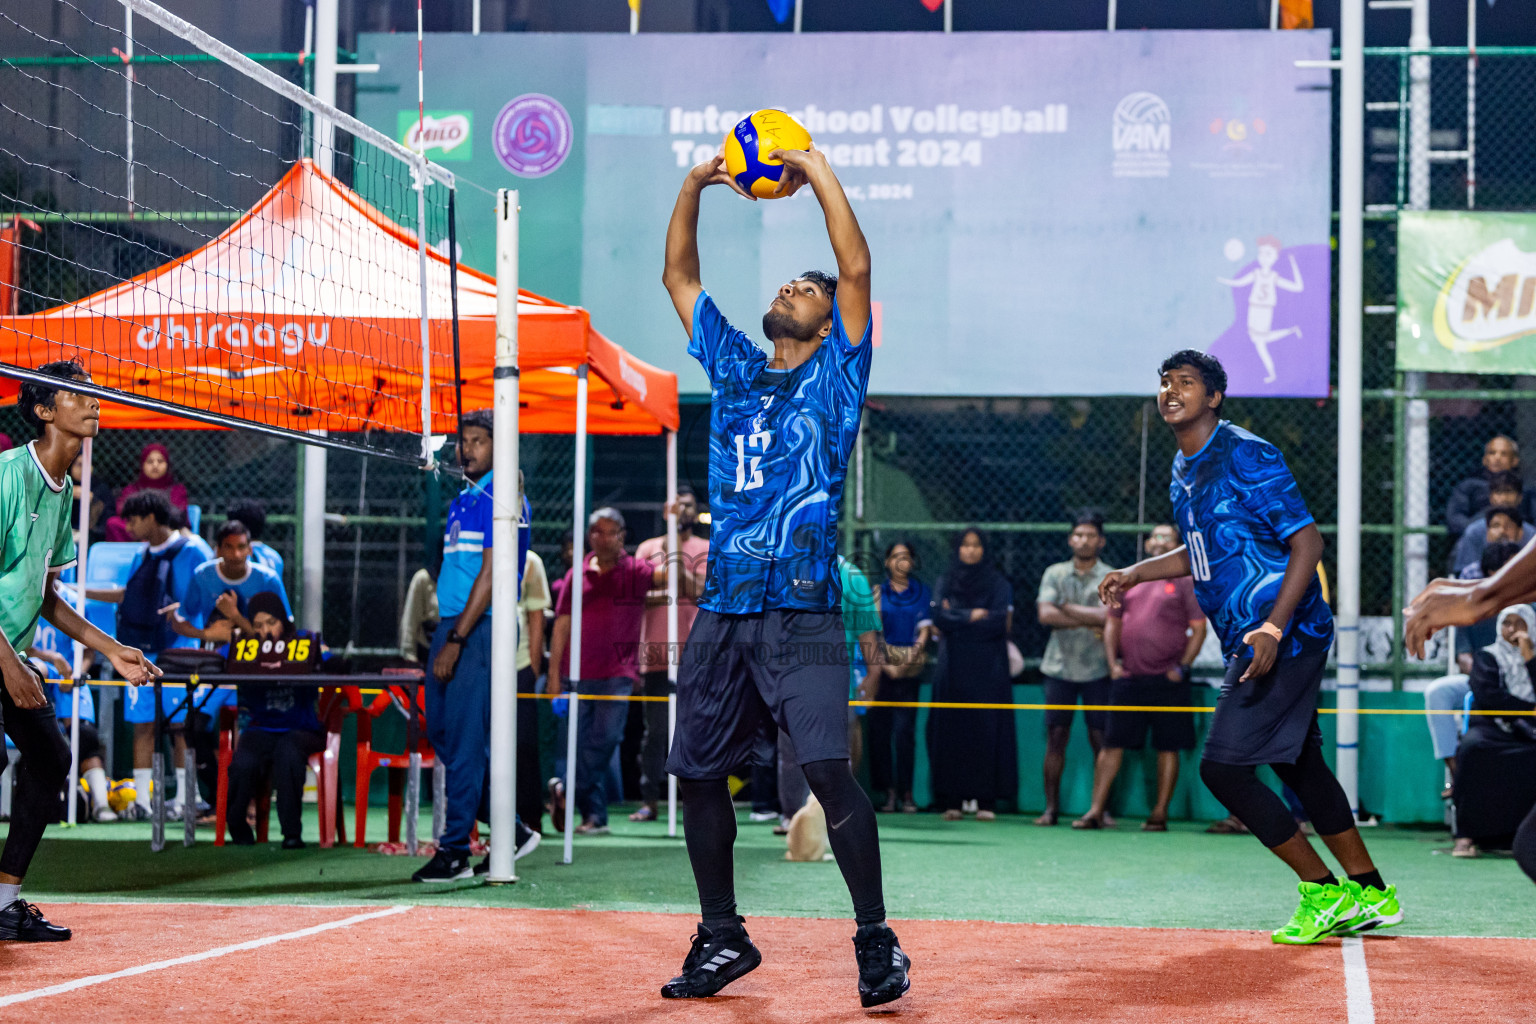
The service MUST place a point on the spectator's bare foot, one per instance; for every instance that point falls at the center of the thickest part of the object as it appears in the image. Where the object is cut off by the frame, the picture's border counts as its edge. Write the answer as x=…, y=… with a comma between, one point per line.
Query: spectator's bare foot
x=1465, y=848
x=1109, y=820
x=1088, y=821
x=953, y=814
x=1228, y=826
x=1048, y=818
x=986, y=815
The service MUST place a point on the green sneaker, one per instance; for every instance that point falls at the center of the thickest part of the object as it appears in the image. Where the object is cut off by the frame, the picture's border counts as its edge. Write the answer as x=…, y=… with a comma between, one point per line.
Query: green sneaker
x=1322, y=909
x=1373, y=909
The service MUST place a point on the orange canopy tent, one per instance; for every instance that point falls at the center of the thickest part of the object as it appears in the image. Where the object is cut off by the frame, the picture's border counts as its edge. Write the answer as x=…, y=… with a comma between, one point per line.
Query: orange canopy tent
x=305, y=315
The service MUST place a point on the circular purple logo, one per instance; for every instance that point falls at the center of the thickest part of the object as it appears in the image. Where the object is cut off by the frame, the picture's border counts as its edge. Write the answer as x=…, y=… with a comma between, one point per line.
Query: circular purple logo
x=532, y=135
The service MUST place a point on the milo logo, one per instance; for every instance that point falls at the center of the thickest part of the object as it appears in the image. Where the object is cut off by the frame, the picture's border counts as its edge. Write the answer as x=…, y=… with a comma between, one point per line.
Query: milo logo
x=442, y=135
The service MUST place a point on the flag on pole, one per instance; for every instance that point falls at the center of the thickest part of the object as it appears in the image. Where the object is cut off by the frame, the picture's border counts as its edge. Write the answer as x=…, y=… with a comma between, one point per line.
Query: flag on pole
x=781, y=9
x=1296, y=14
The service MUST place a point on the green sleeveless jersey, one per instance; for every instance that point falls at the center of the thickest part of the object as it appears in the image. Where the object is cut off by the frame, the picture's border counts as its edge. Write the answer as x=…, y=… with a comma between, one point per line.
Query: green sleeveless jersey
x=34, y=515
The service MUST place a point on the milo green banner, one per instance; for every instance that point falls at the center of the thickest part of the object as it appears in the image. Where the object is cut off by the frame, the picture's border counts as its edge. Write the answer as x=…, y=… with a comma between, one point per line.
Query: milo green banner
x=1466, y=292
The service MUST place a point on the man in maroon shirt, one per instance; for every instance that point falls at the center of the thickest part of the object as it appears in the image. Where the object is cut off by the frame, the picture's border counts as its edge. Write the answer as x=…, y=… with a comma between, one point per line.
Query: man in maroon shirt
x=613, y=588
x=1150, y=641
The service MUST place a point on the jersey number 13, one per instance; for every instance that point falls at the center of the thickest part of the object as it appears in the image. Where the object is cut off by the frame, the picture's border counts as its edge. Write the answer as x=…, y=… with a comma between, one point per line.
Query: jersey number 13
x=748, y=475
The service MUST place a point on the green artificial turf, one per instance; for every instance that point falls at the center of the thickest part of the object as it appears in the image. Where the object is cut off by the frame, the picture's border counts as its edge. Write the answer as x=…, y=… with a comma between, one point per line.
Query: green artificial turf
x=1007, y=870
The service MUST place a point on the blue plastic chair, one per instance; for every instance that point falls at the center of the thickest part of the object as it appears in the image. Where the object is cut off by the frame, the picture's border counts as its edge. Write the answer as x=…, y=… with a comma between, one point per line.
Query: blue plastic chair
x=107, y=565
x=1466, y=713
x=194, y=518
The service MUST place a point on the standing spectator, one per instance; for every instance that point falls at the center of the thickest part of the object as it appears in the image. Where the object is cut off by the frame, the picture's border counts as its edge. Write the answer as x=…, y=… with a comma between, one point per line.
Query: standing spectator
x=101, y=497
x=973, y=753
x=1470, y=497
x=418, y=619
x=458, y=685
x=614, y=584
x=534, y=605
x=154, y=475
x=906, y=613
x=254, y=515
x=655, y=655
x=1495, y=785
x=1150, y=641
x=280, y=729
x=1074, y=665
x=1504, y=491
x=159, y=580
x=222, y=589
x=1449, y=693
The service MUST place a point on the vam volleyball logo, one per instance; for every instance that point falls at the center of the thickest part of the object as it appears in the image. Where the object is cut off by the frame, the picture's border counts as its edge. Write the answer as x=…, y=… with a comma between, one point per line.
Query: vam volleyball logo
x=533, y=135
x=1142, y=136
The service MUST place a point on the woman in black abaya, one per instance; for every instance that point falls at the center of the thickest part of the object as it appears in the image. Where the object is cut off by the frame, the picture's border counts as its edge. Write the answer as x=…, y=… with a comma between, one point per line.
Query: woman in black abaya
x=972, y=754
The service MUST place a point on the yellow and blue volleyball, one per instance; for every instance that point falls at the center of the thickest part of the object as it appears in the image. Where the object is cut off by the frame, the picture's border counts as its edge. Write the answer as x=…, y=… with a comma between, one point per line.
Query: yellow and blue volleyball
x=748, y=144
x=120, y=794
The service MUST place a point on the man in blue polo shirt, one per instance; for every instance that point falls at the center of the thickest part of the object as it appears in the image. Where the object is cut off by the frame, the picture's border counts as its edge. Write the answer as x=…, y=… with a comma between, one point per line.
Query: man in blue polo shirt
x=458, y=686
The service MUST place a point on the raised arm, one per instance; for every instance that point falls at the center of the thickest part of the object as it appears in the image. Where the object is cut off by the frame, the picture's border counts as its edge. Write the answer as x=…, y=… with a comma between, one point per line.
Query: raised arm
x=681, y=272
x=848, y=243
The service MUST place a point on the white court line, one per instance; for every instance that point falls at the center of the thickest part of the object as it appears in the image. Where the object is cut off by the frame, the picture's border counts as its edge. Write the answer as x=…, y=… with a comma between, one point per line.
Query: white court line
x=1357, y=983
x=160, y=965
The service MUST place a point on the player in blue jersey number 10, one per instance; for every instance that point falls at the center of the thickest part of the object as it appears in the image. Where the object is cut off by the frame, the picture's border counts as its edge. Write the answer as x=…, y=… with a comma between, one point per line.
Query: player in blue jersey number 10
x=1253, y=551
x=767, y=649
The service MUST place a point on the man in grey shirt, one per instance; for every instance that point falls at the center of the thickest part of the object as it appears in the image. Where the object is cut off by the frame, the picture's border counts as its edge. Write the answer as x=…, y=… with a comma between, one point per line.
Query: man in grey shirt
x=1074, y=665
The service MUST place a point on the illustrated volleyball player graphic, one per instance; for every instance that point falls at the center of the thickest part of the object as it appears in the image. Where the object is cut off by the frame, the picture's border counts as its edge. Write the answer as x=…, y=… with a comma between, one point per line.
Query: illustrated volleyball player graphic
x=767, y=649
x=1253, y=550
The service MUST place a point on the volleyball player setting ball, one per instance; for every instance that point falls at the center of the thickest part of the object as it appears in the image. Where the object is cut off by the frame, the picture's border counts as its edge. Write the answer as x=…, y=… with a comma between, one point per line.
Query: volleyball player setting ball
x=781, y=430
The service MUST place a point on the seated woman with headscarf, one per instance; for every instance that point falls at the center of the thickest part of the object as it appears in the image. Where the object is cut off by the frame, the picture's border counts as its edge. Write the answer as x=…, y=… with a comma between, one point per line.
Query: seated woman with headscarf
x=973, y=753
x=154, y=475
x=280, y=728
x=1495, y=783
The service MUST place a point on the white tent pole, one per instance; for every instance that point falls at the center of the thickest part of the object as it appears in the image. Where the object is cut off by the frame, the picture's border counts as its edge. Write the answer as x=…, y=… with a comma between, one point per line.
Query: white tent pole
x=578, y=574
x=634, y=19
x=504, y=568
x=949, y=15
x=1351, y=251
x=82, y=550
x=672, y=647
x=797, y=16
x=1111, y=15
x=1274, y=15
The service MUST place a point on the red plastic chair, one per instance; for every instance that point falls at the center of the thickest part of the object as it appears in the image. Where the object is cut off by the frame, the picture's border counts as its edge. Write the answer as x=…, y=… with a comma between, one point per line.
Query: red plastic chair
x=397, y=764
x=332, y=709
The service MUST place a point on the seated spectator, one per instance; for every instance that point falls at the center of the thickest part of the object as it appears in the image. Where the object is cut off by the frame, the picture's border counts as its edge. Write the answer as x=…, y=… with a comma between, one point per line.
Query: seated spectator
x=154, y=475
x=1470, y=497
x=1449, y=693
x=1500, y=525
x=280, y=728
x=1495, y=785
x=1504, y=495
x=226, y=585
x=254, y=515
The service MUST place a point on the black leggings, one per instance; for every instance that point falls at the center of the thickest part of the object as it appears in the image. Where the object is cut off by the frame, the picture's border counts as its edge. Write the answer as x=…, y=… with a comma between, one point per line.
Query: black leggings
x=1525, y=845
x=40, y=777
x=1265, y=813
x=710, y=831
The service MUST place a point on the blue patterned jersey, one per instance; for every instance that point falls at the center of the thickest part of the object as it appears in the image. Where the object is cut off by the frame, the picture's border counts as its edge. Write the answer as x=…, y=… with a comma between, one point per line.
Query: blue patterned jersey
x=1236, y=503
x=778, y=452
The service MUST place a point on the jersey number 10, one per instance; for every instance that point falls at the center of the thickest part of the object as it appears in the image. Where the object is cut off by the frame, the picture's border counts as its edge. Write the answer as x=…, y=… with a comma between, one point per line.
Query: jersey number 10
x=748, y=475
x=1199, y=561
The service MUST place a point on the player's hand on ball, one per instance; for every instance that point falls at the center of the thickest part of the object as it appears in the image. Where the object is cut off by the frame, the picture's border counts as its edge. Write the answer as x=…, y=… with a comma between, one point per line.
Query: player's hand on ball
x=1111, y=587
x=713, y=172
x=797, y=167
x=1265, y=647
x=132, y=665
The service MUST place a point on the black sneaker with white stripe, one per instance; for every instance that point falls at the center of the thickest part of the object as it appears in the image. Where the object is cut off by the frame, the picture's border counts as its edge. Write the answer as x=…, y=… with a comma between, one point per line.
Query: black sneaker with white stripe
x=445, y=867
x=883, y=966
x=719, y=956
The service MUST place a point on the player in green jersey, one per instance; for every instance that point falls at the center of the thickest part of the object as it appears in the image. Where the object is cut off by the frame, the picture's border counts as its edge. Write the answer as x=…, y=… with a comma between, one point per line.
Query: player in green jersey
x=36, y=544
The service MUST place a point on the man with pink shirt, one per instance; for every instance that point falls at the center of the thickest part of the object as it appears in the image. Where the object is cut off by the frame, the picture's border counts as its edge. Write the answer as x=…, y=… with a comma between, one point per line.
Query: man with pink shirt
x=1150, y=641
x=654, y=652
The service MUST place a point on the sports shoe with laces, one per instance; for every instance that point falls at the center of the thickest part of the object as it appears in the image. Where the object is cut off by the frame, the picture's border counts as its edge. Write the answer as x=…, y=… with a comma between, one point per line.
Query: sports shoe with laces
x=1373, y=909
x=23, y=922
x=1322, y=910
x=719, y=956
x=883, y=966
x=445, y=866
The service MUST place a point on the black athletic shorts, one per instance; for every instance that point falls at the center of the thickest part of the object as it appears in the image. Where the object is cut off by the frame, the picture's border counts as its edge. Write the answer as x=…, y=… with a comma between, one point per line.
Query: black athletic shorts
x=1062, y=691
x=1171, y=730
x=1268, y=720
x=744, y=677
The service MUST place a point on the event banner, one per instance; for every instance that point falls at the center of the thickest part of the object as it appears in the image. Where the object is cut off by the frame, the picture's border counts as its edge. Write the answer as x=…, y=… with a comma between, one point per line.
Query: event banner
x=1466, y=292
x=1048, y=213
